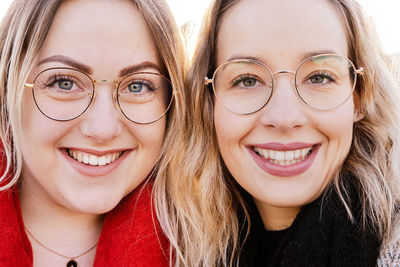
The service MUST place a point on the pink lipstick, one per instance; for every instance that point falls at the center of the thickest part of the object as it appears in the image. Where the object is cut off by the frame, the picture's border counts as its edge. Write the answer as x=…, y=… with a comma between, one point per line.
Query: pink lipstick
x=284, y=160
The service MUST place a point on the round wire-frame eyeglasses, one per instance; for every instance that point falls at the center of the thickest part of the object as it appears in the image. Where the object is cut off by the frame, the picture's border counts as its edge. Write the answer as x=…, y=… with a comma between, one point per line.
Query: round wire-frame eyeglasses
x=323, y=82
x=64, y=94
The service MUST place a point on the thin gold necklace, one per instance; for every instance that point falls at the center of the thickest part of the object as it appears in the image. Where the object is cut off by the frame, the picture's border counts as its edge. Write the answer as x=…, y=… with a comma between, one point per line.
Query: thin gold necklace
x=72, y=260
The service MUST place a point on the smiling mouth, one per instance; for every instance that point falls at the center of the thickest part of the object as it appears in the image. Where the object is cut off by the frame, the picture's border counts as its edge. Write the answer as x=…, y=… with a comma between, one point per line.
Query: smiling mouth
x=93, y=160
x=284, y=158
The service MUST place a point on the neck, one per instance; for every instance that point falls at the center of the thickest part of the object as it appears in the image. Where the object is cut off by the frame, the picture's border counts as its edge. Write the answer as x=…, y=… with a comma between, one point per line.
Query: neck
x=63, y=230
x=276, y=218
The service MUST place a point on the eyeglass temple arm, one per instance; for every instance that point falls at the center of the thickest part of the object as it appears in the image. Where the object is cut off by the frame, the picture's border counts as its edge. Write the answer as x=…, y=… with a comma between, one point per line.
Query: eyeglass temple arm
x=207, y=81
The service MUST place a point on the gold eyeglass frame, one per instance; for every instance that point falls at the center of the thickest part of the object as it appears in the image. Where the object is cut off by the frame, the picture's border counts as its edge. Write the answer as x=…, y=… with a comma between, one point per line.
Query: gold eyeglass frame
x=92, y=94
x=207, y=81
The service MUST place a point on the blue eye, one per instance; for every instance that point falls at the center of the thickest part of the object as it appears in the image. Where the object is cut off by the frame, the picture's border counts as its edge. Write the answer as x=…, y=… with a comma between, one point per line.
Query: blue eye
x=60, y=82
x=65, y=84
x=135, y=87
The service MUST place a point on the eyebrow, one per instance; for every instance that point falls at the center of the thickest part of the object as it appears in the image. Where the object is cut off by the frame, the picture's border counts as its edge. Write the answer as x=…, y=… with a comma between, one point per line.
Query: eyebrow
x=138, y=67
x=244, y=57
x=85, y=68
x=318, y=52
x=68, y=61
x=303, y=57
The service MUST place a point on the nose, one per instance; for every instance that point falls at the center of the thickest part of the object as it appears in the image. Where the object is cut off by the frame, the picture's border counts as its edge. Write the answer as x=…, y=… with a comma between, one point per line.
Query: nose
x=102, y=122
x=284, y=111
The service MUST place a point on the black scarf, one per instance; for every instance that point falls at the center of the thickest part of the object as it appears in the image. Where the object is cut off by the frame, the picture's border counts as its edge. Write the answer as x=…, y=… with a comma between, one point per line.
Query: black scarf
x=321, y=235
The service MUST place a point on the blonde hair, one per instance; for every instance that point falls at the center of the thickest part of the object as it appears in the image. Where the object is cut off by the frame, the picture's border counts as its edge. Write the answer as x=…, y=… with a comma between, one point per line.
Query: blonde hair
x=200, y=206
x=22, y=33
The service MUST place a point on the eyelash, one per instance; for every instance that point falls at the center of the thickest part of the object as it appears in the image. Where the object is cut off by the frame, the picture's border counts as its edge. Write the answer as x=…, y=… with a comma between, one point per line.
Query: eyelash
x=56, y=78
x=243, y=77
x=324, y=75
x=148, y=84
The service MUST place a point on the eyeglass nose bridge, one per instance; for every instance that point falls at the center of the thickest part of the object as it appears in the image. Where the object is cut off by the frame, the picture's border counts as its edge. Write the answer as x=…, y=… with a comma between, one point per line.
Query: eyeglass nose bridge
x=106, y=80
x=115, y=92
x=283, y=72
x=273, y=83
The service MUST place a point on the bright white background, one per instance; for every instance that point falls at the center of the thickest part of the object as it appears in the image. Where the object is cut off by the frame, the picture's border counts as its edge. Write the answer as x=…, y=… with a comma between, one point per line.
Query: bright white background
x=385, y=13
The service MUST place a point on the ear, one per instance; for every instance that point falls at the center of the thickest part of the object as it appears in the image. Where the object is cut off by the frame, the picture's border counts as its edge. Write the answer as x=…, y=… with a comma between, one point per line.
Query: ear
x=357, y=108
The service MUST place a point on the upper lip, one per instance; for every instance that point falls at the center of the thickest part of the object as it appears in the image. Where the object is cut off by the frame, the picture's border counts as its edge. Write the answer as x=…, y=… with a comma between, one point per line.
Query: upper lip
x=284, y=147
x=98, y=152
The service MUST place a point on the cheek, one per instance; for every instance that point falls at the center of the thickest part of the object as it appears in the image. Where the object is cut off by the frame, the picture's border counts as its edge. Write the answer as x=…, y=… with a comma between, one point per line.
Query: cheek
x=337, y=127
x=38, y=131
x=149, y=136
x=226, y=128
x=230, y=130
x=338, y=124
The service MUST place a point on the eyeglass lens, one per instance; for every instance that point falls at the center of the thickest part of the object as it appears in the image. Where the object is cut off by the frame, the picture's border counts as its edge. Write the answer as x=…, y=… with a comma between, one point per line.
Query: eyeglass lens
x=322, y=82
x=64, y=94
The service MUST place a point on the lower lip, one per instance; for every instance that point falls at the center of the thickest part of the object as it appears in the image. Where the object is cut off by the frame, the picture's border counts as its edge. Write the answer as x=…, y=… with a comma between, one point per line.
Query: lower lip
x=94, y=171
x=284, y=171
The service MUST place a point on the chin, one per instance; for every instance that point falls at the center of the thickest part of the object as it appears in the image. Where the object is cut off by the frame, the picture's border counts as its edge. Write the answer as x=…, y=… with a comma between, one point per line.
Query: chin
x=94, y=206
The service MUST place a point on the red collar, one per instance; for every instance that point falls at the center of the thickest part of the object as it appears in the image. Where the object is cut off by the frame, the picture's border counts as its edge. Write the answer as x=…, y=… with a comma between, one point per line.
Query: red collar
x=131, y=235
x=14, y=244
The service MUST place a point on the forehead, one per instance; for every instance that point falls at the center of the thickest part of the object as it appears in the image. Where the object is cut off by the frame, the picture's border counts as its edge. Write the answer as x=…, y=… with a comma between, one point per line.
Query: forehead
x=280, y=29
x=95, y=32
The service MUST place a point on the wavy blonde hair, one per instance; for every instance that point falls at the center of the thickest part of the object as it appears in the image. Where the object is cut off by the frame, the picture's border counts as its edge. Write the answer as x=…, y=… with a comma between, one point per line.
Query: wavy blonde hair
x=200, y=204
x=22, y=33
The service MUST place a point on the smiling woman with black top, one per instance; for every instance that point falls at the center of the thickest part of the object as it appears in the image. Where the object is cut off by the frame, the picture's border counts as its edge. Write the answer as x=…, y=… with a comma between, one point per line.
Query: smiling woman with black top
x=297, y=109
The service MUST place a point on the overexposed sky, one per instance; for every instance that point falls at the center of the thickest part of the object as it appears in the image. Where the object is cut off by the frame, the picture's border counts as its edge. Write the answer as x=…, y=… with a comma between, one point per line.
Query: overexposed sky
x=385, y=13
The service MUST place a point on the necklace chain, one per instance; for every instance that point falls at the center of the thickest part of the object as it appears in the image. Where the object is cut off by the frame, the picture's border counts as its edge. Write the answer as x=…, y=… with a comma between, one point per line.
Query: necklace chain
x=57, y=253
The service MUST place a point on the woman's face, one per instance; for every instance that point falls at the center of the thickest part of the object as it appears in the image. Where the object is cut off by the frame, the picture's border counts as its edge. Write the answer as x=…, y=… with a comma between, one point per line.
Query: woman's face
x=281, y=34
x=106, y=39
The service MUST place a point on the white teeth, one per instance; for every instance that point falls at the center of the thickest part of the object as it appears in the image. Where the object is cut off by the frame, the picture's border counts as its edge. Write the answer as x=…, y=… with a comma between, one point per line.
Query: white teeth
x=304, y=151
x=280, y=155
x=85, y=158
x=108, y=158
x=102, y=160
x=93, y=160
x=80, y=157
x=270, y=153
x=289, y=155
x=284, y=158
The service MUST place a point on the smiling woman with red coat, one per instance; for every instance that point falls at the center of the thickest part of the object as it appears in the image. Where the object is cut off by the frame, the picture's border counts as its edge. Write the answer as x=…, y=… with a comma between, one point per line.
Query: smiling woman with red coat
x=88, y=104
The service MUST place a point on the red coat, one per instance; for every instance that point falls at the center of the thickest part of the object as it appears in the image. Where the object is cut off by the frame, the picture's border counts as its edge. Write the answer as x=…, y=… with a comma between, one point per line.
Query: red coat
x=130, y=236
